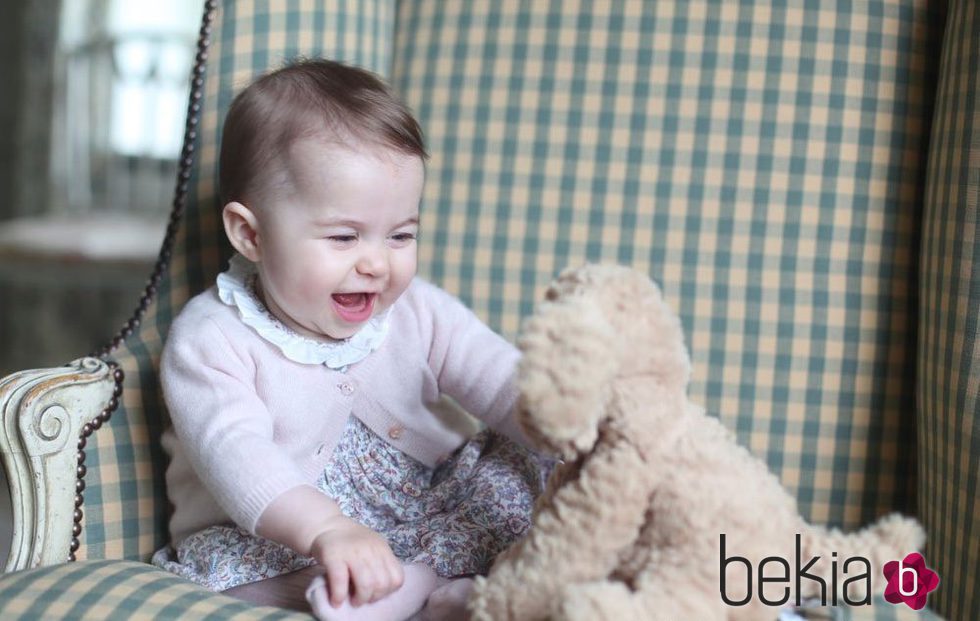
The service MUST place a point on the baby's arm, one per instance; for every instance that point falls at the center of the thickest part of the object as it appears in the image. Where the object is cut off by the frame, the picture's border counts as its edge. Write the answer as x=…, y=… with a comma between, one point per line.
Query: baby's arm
x=352, y=555
x=226, y=432
x=473, y=364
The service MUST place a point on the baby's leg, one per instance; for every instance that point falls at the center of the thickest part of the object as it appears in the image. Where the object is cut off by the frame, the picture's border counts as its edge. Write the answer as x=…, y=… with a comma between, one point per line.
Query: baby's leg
x=420, y=581
x=448, y=602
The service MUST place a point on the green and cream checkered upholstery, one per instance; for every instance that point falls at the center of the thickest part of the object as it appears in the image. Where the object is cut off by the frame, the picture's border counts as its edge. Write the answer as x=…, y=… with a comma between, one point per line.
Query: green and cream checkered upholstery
x=760, y=163
x=111, y=590
x=106, y=590
x=765, y=162
x=948, y=371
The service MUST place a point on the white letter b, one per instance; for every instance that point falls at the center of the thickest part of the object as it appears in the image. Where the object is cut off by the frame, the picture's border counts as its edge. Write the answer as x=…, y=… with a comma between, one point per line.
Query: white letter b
x=901, y=580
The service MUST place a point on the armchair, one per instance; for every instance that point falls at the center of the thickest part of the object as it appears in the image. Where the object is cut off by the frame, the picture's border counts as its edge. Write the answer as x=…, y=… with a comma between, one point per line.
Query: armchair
x=802, y=180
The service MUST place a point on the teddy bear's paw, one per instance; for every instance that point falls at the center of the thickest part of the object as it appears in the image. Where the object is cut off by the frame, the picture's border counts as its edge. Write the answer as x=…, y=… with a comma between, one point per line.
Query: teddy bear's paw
x=596, y=601
x=485, y=603
x=505, y=596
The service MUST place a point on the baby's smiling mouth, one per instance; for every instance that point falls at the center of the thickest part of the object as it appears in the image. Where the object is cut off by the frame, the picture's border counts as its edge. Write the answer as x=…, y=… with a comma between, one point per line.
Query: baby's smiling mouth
x=352, y=301
x=354, y=307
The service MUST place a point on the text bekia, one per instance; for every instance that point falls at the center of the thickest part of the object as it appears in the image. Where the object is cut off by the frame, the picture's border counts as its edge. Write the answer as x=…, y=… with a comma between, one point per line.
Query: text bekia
x=774, y=570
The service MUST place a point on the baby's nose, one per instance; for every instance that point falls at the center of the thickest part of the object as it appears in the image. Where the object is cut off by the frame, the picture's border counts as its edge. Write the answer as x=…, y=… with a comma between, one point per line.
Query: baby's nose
x=373, y=262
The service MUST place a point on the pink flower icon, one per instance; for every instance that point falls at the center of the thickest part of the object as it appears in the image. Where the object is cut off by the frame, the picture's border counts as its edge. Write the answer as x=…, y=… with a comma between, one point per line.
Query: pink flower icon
x=909, y=581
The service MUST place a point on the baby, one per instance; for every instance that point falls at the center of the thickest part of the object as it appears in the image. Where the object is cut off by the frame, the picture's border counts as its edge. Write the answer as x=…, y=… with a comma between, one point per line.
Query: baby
x=307, y=468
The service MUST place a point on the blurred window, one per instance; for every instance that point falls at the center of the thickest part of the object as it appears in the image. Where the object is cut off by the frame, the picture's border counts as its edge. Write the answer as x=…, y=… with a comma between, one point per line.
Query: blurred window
x=122, y=75
x=101, y=111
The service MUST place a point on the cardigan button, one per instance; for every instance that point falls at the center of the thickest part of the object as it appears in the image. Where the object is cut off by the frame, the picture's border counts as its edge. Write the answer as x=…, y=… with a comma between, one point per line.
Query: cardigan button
x=346, y=388
x=396, y=432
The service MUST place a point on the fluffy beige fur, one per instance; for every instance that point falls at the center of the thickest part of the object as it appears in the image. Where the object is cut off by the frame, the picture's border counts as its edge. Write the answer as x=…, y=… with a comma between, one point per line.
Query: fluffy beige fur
x=629, y=525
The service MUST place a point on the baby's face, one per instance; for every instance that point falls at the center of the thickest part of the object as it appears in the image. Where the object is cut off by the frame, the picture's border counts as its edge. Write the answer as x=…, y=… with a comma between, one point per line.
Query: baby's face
x=338, y=241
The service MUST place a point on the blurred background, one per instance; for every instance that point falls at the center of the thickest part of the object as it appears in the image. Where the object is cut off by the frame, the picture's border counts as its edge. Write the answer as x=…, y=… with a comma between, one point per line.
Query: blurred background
x=91, y=122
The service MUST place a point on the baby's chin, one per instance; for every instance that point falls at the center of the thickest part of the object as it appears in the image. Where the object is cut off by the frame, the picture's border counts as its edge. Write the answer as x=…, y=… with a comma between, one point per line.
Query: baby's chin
x=342, y=331
x=337, y=333
x=326, y=331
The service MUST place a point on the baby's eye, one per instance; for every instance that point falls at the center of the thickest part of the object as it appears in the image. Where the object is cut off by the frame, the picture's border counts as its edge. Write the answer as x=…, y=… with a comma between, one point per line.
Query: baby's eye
x=402, y=240
x=342, y=242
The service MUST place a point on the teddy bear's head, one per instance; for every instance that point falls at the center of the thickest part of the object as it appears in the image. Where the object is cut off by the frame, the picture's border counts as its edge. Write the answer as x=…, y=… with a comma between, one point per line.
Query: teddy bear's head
x=598, y=324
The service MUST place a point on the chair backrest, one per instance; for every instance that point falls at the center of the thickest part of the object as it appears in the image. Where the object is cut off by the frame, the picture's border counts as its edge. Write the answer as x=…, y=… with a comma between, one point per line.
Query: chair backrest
x=764, y=164
x=948, y=373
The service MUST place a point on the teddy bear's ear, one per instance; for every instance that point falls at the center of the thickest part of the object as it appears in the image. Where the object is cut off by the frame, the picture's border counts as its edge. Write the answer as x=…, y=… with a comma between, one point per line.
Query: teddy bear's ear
x=634, y=307
x=571, y=354
x=659, y=337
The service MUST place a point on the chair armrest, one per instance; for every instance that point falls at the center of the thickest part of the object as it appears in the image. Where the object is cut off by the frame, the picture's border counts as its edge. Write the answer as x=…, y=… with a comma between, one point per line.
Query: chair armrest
x=42, y=412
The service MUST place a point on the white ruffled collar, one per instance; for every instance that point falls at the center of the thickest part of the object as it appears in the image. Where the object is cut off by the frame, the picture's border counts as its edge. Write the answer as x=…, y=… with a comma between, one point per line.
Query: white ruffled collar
x=236, y=288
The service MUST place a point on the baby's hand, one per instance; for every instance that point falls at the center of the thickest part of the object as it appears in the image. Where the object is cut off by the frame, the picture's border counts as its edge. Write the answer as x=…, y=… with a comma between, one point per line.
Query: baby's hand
x=358, y=562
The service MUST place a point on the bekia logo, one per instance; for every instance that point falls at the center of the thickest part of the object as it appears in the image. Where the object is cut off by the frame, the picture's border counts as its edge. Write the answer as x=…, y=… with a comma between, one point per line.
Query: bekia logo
x=775, y=570
x=909, y=581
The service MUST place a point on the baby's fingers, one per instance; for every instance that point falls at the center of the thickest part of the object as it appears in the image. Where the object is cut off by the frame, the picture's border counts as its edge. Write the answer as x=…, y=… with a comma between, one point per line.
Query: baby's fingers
x=395, y=572
x=338, y=581
x=389, y=572
x=366, y=585
x=377, y=578
x=391, y=576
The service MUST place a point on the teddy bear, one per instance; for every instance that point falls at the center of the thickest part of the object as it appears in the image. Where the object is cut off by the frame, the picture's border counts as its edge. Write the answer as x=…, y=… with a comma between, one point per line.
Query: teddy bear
x=654, y=502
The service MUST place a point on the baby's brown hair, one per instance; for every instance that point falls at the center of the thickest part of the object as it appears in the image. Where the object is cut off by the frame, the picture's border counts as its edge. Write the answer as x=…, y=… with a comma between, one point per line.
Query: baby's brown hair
x=308, y=97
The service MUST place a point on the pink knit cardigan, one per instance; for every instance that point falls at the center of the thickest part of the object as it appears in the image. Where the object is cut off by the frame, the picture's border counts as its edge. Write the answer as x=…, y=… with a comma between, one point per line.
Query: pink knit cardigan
x=250, y=424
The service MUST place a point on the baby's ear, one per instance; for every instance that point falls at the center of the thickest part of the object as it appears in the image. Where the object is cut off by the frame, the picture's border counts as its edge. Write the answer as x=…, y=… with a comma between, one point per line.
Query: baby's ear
x=571, y=354
x=242, y=229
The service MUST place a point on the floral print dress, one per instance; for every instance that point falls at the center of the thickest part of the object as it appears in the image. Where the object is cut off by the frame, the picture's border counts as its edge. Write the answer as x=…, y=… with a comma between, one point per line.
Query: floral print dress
x=455, y=517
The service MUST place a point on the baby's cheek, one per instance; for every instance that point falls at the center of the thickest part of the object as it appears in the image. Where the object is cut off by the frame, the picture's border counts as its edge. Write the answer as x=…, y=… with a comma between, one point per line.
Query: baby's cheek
x=320, y=277
x=303, y=291
x=400, y=289
x=405, y=268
